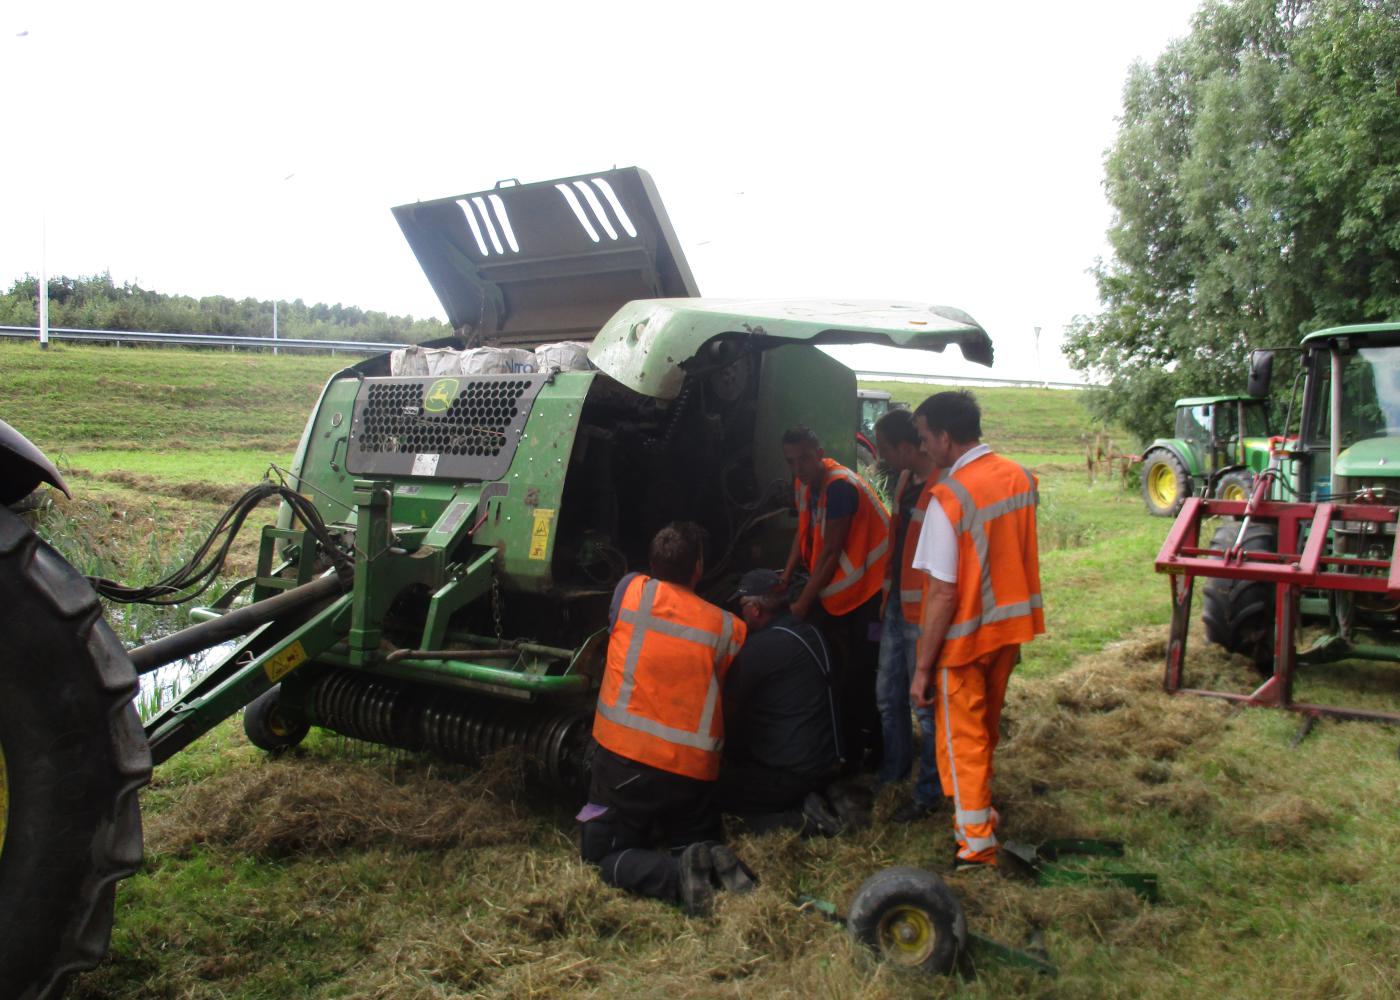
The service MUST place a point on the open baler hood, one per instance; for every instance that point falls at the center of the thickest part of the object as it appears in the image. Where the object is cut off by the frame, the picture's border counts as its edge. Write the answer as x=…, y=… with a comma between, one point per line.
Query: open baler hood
x=644, y=345
x=527, y=264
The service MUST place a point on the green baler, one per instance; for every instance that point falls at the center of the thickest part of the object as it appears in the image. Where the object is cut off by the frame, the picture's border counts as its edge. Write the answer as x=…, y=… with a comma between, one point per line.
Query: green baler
x=441, y=569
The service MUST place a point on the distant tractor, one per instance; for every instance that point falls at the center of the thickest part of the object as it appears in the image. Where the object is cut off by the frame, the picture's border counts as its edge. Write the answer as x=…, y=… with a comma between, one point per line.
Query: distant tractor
x=1317, y=533
x=1221, y=444
x=874, y=404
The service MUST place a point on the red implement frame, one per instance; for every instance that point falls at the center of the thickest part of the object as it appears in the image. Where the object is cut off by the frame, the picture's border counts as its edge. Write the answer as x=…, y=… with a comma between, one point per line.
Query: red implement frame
x=1291, y=570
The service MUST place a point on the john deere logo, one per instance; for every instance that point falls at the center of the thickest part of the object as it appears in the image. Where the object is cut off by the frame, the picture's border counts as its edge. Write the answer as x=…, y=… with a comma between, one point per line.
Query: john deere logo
x=440, y=396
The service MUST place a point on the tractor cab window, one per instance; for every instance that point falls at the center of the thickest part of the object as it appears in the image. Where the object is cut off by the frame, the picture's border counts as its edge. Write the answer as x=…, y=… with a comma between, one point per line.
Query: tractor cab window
x=1370, y=395
x=1193, y=424
x=1256, y=420
x=1227, y=423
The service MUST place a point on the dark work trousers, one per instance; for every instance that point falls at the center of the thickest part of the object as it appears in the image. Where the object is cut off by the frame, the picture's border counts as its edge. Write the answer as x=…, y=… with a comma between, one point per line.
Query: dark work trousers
x=748, y=789
x=855, y=637
x=650, y=816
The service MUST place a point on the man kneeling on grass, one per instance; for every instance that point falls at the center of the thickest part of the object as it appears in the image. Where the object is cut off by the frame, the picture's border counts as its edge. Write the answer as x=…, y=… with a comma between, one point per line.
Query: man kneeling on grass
x=651, y=824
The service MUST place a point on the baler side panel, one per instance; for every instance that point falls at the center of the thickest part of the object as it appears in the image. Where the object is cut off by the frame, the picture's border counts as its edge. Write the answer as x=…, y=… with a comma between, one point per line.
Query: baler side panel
x=319, y=466
x=522, y=524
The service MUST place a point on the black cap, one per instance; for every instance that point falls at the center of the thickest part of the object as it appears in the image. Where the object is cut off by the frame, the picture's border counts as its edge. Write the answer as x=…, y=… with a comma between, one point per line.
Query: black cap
x=757, y=583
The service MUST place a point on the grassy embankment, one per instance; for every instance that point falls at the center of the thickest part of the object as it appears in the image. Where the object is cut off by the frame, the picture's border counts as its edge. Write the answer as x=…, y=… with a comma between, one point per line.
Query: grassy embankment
x=344, y=871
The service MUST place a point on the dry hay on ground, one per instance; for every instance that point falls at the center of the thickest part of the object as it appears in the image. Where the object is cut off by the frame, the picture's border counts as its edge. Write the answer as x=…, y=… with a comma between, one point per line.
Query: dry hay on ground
x=1081, y=750
x=1103, y=728
x=287, y=806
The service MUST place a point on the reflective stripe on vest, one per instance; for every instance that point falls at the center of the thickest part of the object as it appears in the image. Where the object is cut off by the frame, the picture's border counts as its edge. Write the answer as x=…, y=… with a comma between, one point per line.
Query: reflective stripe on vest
x=721, y=647
x=848, y=575
x=971, y=526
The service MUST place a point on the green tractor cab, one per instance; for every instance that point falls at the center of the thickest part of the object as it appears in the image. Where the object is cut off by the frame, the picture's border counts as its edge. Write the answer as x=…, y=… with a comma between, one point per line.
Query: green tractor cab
x=1221, y=443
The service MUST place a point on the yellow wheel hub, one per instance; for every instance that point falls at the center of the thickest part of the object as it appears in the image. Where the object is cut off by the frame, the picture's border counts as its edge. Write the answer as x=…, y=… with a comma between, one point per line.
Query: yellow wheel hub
x=1161, y=485
x=1234, y=491
x=907, y=935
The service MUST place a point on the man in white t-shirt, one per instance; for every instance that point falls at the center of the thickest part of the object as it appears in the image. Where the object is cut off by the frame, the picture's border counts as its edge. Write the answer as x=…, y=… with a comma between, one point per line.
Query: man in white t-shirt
x=978, y=545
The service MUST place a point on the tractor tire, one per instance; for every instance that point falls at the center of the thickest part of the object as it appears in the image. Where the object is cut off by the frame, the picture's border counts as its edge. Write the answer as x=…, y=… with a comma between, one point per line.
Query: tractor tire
x=270, y=728
x=1238, y=485
x=72, y=756
x=910, y=918
x=1165, y=483
x=1239, y=614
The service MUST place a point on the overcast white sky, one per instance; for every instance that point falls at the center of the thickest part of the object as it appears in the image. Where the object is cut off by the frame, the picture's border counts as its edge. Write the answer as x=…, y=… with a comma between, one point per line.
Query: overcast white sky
x=938, y=152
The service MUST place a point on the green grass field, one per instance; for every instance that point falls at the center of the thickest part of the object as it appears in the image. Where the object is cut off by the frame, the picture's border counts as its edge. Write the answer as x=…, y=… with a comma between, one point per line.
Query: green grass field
x=346, y=871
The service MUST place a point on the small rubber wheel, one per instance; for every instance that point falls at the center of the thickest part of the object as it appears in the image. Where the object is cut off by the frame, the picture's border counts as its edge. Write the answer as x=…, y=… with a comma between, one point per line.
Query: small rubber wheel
x=1165, y=484
x=1235, y=486
x=269, y=726
x=910, y=918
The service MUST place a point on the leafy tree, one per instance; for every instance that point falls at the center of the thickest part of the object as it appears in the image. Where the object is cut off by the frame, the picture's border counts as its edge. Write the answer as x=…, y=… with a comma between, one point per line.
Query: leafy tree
x=1255, y=181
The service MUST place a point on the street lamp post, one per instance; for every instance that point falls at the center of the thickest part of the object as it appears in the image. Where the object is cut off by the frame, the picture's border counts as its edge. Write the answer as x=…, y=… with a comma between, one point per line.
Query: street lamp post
x=44, y=284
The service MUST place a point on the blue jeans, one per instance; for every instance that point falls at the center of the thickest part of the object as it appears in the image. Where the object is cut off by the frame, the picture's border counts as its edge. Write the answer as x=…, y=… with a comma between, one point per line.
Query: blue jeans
x=898, y=646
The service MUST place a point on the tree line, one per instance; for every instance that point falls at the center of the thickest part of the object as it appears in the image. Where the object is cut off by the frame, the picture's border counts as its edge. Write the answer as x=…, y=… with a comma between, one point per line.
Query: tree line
x=96, y=302
x=1255, y=183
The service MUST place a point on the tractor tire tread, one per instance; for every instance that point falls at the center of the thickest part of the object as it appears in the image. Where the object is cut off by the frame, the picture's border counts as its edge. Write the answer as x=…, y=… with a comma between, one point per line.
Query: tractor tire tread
x=1239, y=614
x=46, y=591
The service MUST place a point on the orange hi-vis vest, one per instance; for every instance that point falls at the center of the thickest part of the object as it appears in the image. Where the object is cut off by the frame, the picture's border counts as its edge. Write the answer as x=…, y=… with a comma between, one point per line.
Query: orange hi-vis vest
x=659, y=703
x=991, y=504
x=861, y=570
x=913, y=583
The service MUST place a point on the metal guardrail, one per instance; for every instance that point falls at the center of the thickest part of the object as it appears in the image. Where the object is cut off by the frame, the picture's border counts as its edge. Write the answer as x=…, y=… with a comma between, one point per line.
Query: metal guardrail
x=375, y=347
x=988, y=380
x=198, y=340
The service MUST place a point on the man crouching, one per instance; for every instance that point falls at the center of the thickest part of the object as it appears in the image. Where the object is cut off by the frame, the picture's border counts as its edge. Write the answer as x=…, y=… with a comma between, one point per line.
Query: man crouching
x=651, y=822
x=780, y=716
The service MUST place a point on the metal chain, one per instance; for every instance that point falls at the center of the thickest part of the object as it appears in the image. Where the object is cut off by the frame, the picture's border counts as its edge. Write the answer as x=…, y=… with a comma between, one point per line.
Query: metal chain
x=497, y=602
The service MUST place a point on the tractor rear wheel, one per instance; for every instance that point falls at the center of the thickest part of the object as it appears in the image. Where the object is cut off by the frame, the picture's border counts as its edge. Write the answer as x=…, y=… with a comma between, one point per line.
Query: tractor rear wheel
x=72, y=756
x=1165, y=484
x=1239, y=614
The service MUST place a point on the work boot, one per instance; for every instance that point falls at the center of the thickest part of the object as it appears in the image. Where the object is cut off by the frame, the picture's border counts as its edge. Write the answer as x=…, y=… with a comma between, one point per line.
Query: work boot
x=732, y=873
x=913, y=811
x=852, y=803
x=697, y=865
x=820, y=820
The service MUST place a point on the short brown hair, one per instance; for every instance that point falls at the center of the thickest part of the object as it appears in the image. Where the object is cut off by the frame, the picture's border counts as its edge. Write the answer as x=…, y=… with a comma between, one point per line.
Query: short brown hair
x=676, y=550
x=897, y=427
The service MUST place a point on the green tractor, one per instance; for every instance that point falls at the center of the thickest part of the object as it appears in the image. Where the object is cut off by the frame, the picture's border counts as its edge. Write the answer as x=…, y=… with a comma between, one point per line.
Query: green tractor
x=1221, y=444
x=1317, y=534
x=449, y=537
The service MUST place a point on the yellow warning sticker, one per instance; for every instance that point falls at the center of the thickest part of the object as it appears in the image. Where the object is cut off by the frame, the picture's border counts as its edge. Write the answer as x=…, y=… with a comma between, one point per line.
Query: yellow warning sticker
x=539, y=534
x=285, y=662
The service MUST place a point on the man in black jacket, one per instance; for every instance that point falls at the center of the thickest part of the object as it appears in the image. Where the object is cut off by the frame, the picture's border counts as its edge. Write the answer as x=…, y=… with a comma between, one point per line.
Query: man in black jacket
x=780, y=717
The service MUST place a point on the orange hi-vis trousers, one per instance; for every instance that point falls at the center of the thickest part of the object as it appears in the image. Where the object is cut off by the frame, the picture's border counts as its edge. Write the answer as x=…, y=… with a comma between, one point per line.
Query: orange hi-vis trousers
x=968, y=714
